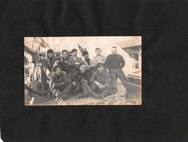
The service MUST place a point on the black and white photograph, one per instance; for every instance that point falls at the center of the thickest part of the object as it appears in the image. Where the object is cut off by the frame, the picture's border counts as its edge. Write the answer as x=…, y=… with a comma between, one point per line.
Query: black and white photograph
x=94, y=71
x=90, y=70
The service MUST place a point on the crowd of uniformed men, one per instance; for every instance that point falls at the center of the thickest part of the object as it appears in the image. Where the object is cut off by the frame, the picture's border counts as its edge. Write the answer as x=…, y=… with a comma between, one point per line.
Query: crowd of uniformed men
x=68, y=74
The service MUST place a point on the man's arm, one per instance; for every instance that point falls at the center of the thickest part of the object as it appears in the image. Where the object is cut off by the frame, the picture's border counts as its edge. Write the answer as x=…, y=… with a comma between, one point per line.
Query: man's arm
x=107, y=77
x=57, y=85
x=61, y=60
x=107, y=62
x=93, y=63
x=103, y=59
x=122, y=62
x=70, y=61
x=65, y=77
x=92, y=79
x=72, y=77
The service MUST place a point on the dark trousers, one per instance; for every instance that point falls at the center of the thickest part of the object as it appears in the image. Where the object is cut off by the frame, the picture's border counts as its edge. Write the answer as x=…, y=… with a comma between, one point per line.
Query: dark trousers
x=105, y=91
x=85, y=89
x=81, y=89
x=118, y=73
x=63, y=91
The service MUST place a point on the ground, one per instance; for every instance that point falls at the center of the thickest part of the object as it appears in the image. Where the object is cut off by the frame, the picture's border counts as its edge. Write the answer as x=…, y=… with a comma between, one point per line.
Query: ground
x=134, y=98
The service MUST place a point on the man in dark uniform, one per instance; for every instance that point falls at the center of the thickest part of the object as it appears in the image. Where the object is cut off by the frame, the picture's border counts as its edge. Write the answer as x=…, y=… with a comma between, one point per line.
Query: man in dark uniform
x=46, y=68
x=50, y=60
x=115, y=62
x=63, y=63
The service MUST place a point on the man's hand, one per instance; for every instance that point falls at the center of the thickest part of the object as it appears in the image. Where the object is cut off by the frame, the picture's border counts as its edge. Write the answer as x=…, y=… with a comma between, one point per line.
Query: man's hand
x=84, y=81
x=62, y=83
x=52, y=86
x=74, y=83
x=97, y=83
x=77, y=63
x=100, y=86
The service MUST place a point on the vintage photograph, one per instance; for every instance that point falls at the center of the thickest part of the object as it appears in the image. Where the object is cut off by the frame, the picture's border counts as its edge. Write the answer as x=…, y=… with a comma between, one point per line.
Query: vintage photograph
x=92, y=70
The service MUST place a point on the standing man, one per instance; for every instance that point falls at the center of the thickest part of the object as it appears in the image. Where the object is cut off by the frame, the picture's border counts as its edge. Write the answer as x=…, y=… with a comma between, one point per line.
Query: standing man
x=115, y=63
x=98, y=58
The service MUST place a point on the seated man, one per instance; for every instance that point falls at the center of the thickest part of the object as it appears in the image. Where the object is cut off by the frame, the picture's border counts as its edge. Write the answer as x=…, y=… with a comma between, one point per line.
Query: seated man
x=100, y=81
x=60, y=84
x=80, y=79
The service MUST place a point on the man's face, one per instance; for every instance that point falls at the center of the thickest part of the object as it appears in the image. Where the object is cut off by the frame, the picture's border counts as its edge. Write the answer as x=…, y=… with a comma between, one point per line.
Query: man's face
x=98, y=52
x=86, y=56
x=58, y=71
x=65, y=55
x=114, y=51
x=50, y=55
x=82, y=68
x=75, y=53
x=77, y=64
x=101, y=69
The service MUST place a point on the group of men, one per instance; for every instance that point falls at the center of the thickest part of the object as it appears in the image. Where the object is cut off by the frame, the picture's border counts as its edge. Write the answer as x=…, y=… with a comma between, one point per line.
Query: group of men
x=68, y=74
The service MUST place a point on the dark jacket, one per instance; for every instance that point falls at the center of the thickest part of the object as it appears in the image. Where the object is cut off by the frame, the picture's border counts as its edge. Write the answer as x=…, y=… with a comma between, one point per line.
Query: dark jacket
x=71, y=63
x=114, y=61
x=101, y=77
x=60, y=81
x=78, y=76
x=64, y=64
x=49, y=63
